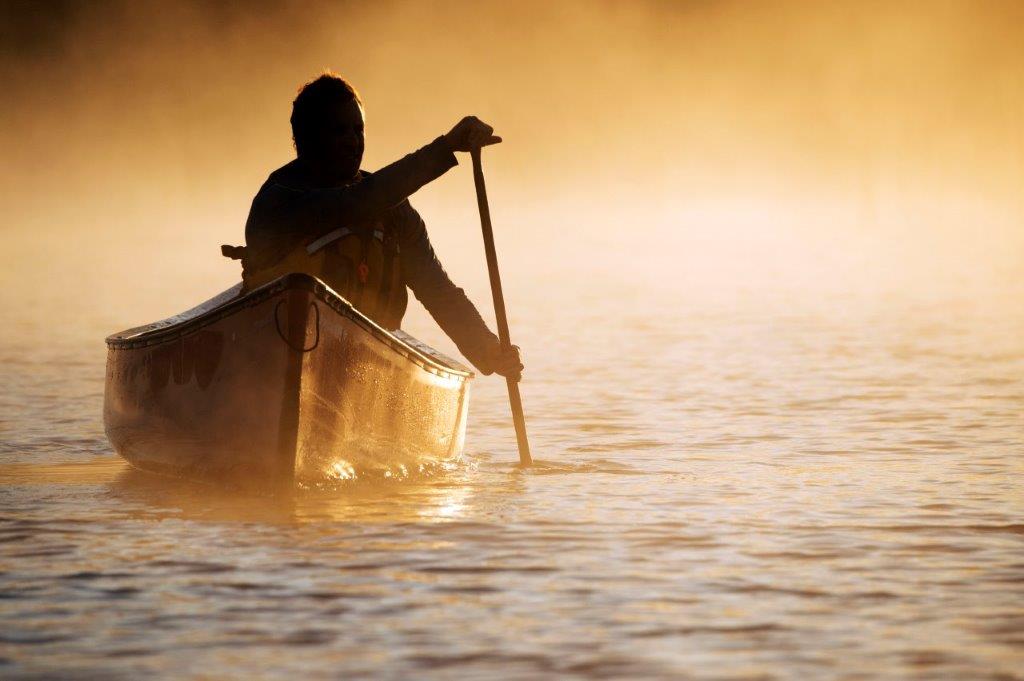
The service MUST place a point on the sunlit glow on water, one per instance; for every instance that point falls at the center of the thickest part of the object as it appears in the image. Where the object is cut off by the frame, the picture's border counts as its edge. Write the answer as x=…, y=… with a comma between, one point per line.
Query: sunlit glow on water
x=452, y=504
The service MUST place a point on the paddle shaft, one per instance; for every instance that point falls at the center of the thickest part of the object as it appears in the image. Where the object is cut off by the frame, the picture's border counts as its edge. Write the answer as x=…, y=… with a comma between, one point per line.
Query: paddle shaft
x=499, y=306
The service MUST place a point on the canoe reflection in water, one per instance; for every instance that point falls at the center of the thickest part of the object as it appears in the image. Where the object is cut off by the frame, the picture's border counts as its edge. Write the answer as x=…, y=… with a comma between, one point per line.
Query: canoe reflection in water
x=448, y=496
x=287, y=384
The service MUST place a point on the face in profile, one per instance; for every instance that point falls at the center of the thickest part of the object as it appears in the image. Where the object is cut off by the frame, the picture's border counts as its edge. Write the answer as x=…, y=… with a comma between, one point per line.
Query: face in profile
x=337, y=145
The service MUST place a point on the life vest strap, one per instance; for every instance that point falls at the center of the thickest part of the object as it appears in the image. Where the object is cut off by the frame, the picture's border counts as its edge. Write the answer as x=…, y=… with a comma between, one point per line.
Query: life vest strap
x=336, y=234
x=328, y=239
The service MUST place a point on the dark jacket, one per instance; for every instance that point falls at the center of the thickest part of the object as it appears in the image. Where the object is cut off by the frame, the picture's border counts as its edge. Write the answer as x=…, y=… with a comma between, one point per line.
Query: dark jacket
x=287, y=213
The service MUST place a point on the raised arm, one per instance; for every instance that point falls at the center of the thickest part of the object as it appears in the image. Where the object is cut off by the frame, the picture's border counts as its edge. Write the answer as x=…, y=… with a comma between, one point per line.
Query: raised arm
x=287, y=210
x=384, y=189
x=394, y=183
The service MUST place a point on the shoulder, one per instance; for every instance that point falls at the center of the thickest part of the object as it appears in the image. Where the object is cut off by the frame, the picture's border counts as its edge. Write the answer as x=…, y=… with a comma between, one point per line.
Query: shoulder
x=402, y=210
x=404, y=219
x=287, y=178
x=281, y=187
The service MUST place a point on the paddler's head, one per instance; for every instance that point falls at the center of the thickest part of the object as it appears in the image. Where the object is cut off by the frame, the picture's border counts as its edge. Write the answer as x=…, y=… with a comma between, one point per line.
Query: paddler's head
x=327, y=126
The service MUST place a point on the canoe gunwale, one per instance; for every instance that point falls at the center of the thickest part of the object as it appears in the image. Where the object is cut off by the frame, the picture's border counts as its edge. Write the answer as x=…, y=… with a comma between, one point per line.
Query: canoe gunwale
x=166, y=330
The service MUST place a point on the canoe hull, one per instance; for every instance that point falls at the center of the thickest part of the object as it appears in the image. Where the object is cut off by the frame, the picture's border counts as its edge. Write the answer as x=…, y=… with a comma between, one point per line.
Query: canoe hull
x=286, y=384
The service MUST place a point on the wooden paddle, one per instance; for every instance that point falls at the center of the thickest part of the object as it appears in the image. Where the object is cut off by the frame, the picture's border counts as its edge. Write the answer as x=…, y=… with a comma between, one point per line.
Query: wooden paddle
x=499, y=306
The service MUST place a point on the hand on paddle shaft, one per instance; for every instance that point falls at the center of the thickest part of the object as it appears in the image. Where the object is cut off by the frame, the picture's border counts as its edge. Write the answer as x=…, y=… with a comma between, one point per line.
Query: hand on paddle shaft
x=470, y=133
x=507, y=363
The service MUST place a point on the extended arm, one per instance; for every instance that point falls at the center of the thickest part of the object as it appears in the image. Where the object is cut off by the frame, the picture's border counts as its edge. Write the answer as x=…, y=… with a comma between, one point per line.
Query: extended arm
x=287, y=211
x=394, y=183
x=384, y=189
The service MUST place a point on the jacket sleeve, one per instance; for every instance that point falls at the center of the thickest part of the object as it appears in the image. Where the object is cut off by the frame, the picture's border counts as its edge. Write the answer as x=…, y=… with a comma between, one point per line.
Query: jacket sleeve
x=446, y=302
x=387, y=187
x=287, y=212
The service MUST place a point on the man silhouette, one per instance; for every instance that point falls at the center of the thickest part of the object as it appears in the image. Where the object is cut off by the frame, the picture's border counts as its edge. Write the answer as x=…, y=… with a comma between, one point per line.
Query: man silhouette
x=357, y=230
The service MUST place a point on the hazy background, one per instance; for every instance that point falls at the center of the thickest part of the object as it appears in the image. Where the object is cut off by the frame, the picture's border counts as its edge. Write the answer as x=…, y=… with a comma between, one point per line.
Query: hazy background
x=692, y=150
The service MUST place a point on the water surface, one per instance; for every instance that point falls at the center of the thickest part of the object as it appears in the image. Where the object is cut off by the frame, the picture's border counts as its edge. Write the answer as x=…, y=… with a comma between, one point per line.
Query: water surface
x=754, y=488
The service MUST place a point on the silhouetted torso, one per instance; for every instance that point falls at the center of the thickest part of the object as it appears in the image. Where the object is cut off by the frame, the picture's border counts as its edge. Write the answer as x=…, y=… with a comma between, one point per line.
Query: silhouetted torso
x=288, y=213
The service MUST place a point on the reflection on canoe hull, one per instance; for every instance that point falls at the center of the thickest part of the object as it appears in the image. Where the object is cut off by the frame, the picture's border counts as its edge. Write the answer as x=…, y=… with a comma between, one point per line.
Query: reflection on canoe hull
x=286, y=383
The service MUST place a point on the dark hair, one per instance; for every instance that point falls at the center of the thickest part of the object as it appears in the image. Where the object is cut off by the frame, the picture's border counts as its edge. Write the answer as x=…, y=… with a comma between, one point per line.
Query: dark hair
x=312, y=101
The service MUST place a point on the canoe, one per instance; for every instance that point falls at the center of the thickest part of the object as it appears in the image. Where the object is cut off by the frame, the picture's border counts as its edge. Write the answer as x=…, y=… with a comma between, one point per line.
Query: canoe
x=287, y=384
